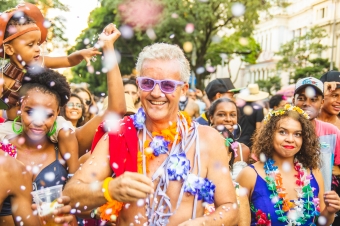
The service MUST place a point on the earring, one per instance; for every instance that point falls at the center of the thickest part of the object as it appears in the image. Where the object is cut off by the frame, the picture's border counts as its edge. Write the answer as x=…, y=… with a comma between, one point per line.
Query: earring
x=238, y=125
x=53, y=130
x=13, y=126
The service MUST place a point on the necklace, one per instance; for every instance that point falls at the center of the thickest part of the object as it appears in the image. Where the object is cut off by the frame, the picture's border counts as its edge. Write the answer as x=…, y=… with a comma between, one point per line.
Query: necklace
x=304, y=208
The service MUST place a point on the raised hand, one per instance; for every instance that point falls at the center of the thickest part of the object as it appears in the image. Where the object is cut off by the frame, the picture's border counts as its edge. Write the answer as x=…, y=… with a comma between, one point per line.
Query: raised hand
x=329, y=87
x=109, y=35
x=87, y=54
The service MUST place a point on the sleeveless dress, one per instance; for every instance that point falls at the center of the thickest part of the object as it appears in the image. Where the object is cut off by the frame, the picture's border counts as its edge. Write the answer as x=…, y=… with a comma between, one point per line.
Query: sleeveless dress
x=261, y=201
x=51, y=175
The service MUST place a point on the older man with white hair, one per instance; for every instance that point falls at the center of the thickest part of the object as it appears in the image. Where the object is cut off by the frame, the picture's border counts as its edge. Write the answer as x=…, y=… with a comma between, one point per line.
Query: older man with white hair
x=175, y=168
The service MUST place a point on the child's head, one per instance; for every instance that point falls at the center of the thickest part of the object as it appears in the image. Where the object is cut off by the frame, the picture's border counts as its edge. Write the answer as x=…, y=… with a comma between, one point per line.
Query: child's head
x=22, y=31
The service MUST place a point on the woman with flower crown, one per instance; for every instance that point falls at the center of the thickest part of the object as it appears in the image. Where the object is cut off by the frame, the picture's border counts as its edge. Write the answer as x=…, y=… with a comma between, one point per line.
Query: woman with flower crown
x=286, y=186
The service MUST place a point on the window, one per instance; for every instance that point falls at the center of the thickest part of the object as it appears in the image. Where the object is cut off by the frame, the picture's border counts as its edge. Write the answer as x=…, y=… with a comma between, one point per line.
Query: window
x=322, y=13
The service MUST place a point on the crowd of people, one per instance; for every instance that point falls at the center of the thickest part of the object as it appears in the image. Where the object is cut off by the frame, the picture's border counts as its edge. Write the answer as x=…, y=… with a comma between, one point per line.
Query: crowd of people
x=154, y=151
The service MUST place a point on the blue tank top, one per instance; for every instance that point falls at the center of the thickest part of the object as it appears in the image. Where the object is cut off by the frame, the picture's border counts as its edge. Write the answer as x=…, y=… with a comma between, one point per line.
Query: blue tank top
x=51, y=175
x=261, y=201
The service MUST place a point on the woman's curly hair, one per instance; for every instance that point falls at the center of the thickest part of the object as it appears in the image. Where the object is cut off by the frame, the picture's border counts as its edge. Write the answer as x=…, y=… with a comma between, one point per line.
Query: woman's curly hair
x=47, y=81
x=309, y=153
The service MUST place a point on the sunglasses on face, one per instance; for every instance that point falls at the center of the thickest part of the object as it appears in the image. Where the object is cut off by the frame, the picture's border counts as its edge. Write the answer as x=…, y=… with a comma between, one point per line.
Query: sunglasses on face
x=87, y=102
x=166, y=86
x=74, y=105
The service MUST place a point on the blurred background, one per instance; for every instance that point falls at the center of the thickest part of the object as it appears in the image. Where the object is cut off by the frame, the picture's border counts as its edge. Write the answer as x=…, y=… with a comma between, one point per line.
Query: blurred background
x=269, y=42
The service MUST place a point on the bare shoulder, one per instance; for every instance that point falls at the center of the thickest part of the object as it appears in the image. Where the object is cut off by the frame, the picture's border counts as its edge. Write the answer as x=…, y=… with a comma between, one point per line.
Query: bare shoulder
x=209, y=134
x=247, y=178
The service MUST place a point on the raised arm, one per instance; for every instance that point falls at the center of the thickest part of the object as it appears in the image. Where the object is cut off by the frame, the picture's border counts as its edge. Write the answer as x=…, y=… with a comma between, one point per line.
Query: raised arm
x=116, y=98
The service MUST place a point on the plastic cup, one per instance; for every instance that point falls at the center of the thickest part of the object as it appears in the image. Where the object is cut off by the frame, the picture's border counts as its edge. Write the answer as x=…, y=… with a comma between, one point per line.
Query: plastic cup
x=46, y=200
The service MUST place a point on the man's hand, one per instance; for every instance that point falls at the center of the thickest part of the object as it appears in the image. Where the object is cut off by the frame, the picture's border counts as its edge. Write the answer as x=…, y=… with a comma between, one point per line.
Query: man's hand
x=329, y=87
x=62, y=213
x=87, y=54
x=109, y=35
x=130, y=187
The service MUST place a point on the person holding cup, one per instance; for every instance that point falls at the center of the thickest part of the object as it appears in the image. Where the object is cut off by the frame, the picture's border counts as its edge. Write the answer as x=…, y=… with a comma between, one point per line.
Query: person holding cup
x=17, y=192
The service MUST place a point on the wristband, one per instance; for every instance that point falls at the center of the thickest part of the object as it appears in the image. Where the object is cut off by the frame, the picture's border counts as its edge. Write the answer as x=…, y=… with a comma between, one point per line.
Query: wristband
x=105, y=189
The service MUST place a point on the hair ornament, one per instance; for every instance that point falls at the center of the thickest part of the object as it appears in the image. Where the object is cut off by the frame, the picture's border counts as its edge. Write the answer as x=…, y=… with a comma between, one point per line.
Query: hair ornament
x=287, y=107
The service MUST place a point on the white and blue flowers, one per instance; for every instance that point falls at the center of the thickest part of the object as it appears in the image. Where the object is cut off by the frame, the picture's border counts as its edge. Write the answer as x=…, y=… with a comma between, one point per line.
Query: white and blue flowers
x=178, y=167
x=159, y=145
x=204, y=188
x=139, y=118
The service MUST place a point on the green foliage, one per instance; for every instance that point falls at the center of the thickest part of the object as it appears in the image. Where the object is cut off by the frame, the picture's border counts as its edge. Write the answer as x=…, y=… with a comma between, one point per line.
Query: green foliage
x=209, y=18
x=301, y=55
x=271, y=84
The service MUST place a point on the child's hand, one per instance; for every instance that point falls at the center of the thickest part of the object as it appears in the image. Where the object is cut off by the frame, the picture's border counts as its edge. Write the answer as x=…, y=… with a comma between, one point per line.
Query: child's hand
x=109, y=35
x=87, y=54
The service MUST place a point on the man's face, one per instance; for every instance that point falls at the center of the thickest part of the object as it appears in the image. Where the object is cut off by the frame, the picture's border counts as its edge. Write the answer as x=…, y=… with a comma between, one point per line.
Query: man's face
x=310, y=104
x=132, y=90
x=192, y=95
x=161, y=107
x=26, y=47
x=332, y=102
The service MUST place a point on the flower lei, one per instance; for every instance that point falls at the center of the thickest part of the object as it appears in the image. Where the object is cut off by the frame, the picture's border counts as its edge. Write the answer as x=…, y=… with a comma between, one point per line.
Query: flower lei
x=261, y=217
x=178, y=167
x=9, y=148
x=305, y=207
x=287, y=107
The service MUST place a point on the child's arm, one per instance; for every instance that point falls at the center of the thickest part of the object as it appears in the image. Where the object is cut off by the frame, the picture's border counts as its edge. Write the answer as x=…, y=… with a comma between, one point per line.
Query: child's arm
x=70, y=60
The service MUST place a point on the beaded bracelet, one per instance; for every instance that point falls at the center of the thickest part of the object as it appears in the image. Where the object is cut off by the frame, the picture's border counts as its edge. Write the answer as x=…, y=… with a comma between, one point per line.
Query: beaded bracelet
x=105, y=189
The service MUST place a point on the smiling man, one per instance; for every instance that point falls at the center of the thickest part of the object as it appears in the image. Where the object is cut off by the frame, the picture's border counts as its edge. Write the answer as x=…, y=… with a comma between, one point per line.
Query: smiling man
x=179, y=167
x=308, y=96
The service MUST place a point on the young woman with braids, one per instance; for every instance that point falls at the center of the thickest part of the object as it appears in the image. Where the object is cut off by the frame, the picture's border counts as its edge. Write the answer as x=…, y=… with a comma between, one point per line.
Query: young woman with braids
x=286, y=187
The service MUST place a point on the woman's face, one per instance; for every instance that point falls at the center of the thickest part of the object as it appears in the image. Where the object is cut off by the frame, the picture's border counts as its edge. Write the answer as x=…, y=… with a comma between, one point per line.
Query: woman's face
x=225, y=114
x=287, y=137
x=132, y=90
x=86, y=99
x=38, y=113
x=73, y=109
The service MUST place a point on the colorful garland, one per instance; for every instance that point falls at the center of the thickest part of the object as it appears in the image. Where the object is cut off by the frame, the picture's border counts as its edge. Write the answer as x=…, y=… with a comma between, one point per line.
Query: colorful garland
x=178, y=167
x=260, y=216
x=305, y=207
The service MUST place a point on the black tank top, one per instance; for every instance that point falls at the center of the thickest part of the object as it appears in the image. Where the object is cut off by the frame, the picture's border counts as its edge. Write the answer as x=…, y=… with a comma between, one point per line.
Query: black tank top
x=51, y=175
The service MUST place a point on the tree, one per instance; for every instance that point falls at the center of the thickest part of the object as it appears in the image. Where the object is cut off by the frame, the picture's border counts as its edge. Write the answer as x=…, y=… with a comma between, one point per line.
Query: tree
x=193, y=23
x=57, y=27
x=301, y=56
x=271, y=84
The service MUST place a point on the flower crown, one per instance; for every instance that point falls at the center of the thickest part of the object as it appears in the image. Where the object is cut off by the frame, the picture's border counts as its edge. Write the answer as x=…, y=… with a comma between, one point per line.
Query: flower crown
x=287, y=107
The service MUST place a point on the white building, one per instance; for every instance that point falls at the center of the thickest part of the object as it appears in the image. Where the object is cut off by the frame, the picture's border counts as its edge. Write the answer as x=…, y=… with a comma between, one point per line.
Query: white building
x=285, y=24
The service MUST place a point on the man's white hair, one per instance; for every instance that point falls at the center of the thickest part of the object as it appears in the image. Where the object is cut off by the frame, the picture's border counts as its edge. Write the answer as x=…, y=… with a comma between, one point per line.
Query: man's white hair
x=164, y=51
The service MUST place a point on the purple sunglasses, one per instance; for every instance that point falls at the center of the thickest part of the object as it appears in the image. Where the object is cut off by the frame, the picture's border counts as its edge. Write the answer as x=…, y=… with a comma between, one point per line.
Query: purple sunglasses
x=166, y=86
